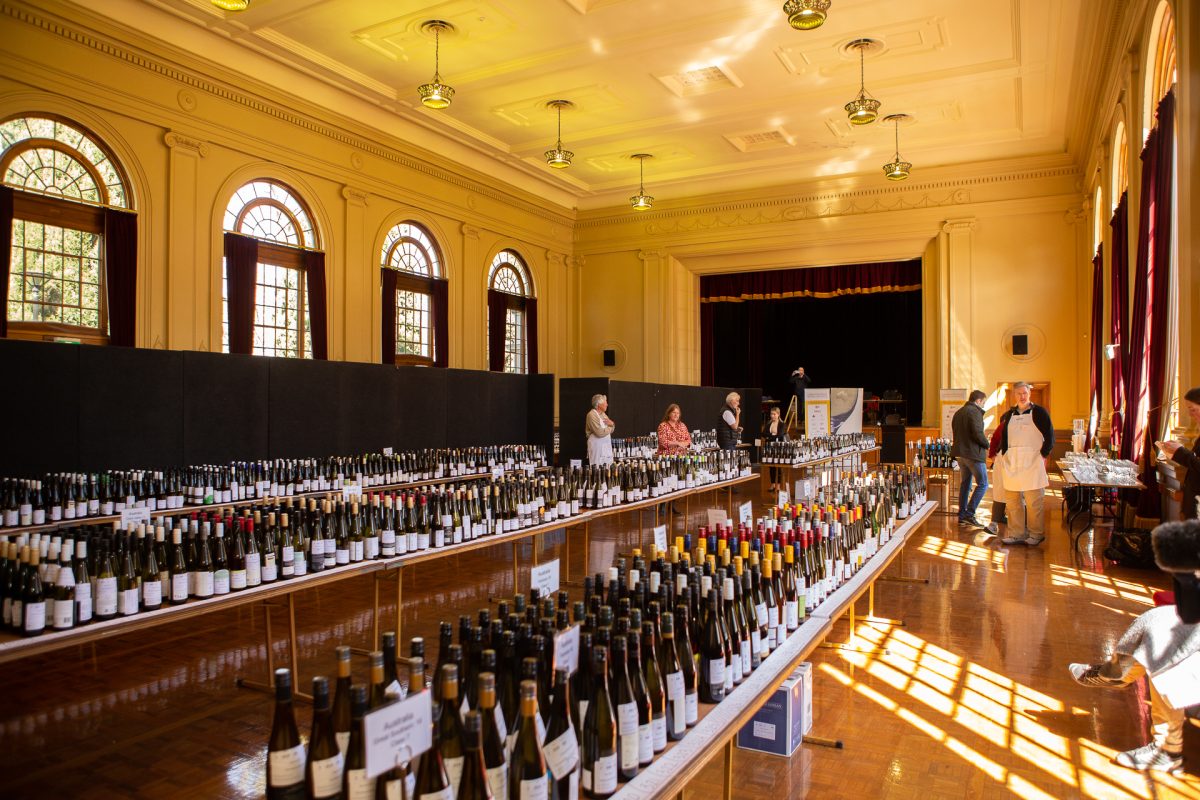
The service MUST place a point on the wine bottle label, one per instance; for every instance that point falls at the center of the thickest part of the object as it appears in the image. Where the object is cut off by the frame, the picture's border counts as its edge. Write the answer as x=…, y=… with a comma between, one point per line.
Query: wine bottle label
x=410, y=784
x=34, y=616
x=127, y=602
x=286, y=767
x=604, y=775
x=497, y=778
x=744, y=656
x=220, y=581
x=760, y=611
x=371, y=547
x=179, y=587
x=237, y=579
x=646, y=743
x=791, y=614
x=253, y=569
x=658, y=732
x=692, y=705
x=288, y=559
x=676, y=702
x=39, y=516
x=204, y=584
x=562, y=754
x=536, y=789
x=269, y=569
x=501, y=725
x=83, y=602
x=358, y=551
x=343, y=740
x=716, y=672
x=627, y=719
x=63, y=614
x=327, y=776
x=106, y=597
x=454, y=768
x=540, y=728
x=448, y=793
x=151, y=594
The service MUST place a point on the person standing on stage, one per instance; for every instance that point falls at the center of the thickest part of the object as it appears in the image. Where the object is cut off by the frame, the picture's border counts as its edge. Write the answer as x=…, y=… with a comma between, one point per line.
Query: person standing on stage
x=800, y=382
x=1025, y=447
x=729, y=428
x=970, y=447
x=599, y=432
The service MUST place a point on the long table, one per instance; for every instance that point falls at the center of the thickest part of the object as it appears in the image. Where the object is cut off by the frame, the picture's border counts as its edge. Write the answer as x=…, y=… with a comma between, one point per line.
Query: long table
x=14, y=647
x=854, y=457
x=719, y=725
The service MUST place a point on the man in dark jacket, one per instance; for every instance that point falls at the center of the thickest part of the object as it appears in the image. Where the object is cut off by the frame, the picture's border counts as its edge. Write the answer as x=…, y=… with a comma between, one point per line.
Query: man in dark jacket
x=970, y=447
x=800, y=382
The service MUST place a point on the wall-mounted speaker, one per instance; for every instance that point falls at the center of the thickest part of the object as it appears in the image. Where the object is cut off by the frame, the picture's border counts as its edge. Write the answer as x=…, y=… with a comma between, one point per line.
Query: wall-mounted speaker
x=1020, y=344
x=610, y=358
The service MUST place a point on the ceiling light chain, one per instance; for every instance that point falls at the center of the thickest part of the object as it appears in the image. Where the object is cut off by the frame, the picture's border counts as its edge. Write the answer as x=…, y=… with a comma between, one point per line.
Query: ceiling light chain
x=558, y=158
x=641, y=201
x=863, y=109
x=897, y=169
x=436, y=94
x=805, y=15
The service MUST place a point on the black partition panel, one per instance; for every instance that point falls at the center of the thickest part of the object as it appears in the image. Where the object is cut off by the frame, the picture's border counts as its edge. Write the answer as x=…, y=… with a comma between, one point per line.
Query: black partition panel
x=88, y=408
x=638, y=407
x=225, y=408
x=41, y=428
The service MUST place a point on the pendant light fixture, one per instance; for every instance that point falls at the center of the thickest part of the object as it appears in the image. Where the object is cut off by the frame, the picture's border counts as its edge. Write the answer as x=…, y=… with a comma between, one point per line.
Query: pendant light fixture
x=863, y=109
x=641, y=201
x=558, y=157
x=804, y=15
x=436, y=94
x=897, y=169
x=231, y=5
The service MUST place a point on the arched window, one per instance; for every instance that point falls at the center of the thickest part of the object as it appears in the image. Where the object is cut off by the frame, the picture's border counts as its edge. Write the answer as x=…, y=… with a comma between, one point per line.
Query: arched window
x=512, y=315
x=274, y=274
x=1120, y=165
x=1161, y=64
x=64, y=186
x=414, y=297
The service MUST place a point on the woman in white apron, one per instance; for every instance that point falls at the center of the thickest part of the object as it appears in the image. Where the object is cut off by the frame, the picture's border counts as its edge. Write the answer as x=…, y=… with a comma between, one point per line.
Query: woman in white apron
x=1022, y=477
x=599, y=432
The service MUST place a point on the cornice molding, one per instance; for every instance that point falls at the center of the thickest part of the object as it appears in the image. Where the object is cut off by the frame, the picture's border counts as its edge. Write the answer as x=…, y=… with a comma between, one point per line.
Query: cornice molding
x=199, y=82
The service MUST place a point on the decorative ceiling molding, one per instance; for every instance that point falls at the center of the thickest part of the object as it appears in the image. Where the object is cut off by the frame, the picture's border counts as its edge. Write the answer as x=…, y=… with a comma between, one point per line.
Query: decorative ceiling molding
x=201, y=83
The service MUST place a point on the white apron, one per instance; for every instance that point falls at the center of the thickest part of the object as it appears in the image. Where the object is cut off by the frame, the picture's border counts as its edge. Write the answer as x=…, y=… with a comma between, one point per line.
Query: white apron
x=1024, y=470
x=999, y=493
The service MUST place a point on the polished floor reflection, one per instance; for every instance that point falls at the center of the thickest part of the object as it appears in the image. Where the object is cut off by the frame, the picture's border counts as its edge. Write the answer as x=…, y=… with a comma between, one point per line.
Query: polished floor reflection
x=972, y=698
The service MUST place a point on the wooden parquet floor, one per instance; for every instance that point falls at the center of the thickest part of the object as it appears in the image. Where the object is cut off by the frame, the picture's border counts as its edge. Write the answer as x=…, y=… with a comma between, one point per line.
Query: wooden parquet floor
x=973, y=699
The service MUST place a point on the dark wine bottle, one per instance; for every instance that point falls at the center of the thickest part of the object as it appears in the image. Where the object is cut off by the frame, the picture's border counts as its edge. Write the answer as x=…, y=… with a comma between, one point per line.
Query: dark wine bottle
x=449, y=726
x=599, y=751
x=323, y=770
x=474, y=784
x=562, y=742
x=342, y=703
x=355, y=783
x=528, y=778
x=712, y=655
x=495, y=756
x=285, y=753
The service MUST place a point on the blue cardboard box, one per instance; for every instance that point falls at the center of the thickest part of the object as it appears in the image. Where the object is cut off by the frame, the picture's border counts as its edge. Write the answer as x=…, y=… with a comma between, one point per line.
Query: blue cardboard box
x=780, y=724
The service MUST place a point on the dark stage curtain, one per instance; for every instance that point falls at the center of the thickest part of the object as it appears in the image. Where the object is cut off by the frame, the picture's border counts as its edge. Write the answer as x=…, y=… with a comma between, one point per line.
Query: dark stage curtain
x=1117, y=312
x=497, y=308
x=707, y=354
x=1097, y=346
x=241, y=270
x=120, y=275
x=821, y=282
x=387, y=336
x=6, y=220
x=314, y=269
x=440, y=306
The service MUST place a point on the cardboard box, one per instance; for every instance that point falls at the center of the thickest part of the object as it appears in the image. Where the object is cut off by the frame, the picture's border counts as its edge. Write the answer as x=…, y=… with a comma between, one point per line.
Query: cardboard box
x=779, y=725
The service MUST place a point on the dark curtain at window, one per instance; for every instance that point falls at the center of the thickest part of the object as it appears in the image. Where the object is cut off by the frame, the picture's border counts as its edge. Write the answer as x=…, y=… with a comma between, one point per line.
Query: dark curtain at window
x=120, y=275
x=497, y=311
x=1147, y=351
x=785, y=284
x=531, y=334
x=1158, y=164
x=241, y=270
x=6, y=218
x=388, y=328
x=440, y=303
x=1118, y=306
x=314, y=269
x=1097, y=345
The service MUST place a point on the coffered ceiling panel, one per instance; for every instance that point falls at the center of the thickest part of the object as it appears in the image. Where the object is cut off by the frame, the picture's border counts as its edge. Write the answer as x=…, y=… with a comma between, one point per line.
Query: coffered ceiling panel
x=723, y=92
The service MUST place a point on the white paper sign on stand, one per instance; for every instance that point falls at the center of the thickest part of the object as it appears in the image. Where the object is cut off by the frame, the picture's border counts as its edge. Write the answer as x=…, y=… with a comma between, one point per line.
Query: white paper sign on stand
x=660, y=538
x=805, y=490
x=717, y=516
x=746, y=513
x=576, y=463
x=784, y=499
x=544, y=578
x=951, y=400
x=132, y=517
x=816, y=412
x=398, y=732
x=352, y=491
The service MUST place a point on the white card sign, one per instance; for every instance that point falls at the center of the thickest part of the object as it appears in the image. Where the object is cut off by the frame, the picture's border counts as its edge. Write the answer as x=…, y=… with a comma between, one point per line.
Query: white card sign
x=132, y=517
x=352, y=491
x=544, y=578
x=576, y=463
x=804, y=490
x=717, y=516
x=784, y=499
x=566, y=649
x=746, y=513
x=387, y=451
x=660, y=538
x=497, y=472
x=398, y=732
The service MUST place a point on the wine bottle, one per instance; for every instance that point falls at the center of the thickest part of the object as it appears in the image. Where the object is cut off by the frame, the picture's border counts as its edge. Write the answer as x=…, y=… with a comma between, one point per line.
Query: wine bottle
x=63, y=607
x=342, y=703
x=673, y=683
x=106, y=584
x=494, y=752
x=323, y=770
x=562, y=741
x=599, y=750
x=391, y=685
x=449, y=726
x=33, y=607
x=474, y=784
x=355, y=783
x=712, y=655
x=285, y=753
x=432, y=781
x=528, y=778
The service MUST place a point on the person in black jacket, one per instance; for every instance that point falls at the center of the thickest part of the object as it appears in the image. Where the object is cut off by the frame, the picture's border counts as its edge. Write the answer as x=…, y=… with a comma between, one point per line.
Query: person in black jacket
x=800, y=382
x=970, y=447
x=1189, y=459
x=1025, y=448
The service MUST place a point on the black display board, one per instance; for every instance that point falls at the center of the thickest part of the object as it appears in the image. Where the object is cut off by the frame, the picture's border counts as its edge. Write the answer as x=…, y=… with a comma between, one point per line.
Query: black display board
x=637, y=408
x=79, y=407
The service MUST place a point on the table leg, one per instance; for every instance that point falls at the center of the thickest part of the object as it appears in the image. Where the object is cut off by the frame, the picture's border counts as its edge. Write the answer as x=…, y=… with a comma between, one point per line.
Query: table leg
x=871, y=618
x=516, y=569
x=399, y=603
x=587, y=531
x=729, y=769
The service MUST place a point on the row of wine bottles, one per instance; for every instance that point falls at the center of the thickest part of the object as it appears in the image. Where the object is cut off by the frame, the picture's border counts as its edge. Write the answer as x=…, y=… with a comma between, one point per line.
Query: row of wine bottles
x=646, y=446
x=931, y=454
x=75, y=495
x=98, y=572
x=655, y=640
x=808, y=449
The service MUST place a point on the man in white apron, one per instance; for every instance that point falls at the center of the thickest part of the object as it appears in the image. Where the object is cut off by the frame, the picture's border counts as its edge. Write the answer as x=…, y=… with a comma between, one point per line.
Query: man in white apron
x=599, y=432
x=1026, y=444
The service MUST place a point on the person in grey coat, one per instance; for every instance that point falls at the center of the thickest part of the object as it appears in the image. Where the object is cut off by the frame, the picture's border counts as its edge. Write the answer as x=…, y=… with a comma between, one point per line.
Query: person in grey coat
x=970, y=447
x=1158, y=641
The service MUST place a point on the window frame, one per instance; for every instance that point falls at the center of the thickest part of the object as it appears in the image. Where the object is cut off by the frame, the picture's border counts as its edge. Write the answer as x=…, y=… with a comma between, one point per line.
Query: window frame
x=273, y=254
x=411, y=282
x=511, y=259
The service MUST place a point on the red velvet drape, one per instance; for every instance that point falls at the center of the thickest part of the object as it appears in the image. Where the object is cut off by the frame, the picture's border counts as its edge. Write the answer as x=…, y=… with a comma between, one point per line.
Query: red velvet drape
x=1118, y=308
x=120, y=275
x=440, y=302
x=1096, y=345
x=895, y=276
x=387, y=338
x=497, y=311
x=531, y=334
x=314, y=274
x=6, y=221
x=241, y=270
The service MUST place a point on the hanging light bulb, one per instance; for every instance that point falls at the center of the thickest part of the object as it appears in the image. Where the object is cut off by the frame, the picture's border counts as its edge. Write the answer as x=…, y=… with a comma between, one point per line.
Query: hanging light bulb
x=231, y=5
x=436, y=94
x=863, y=109
x=558, y=157
x=804, y=15
x=897, y=169
x=641, y=201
